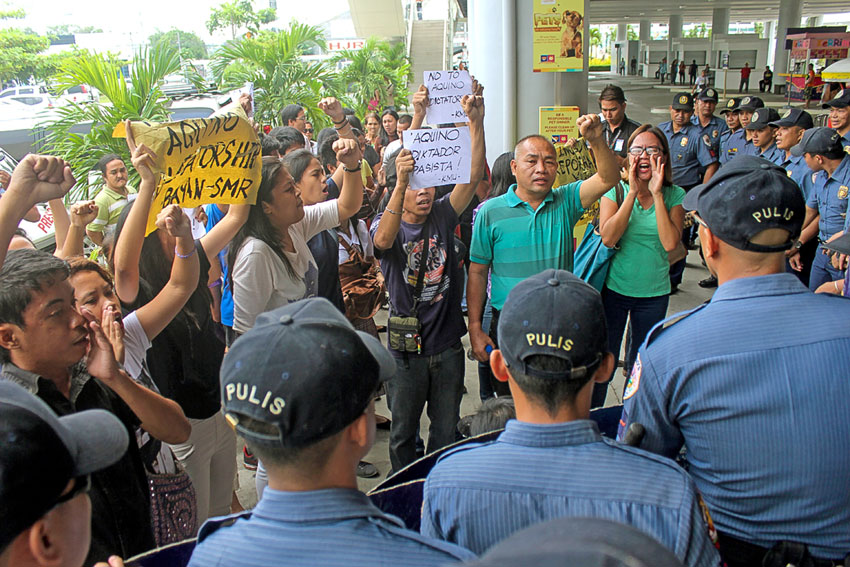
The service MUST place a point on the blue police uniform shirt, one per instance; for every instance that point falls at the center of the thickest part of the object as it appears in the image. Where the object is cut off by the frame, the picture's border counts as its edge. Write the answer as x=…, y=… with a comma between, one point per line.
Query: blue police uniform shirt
x=799, y=172
x=477, y=496
x=733, y=146
x=761, y=404
x=771, y=154
x=330, y=528
x=715, y=129
x=688, y=151
x=829, y=197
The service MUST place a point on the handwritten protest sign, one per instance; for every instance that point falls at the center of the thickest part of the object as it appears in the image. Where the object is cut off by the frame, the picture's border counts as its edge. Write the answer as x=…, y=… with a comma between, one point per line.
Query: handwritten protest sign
x=202, y=160
x=445, y=90
x=576, y=164
x=442, y=156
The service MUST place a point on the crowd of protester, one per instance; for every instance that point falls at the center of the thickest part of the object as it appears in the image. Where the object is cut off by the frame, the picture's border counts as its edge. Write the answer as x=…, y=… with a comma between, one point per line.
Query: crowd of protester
x=125, y=380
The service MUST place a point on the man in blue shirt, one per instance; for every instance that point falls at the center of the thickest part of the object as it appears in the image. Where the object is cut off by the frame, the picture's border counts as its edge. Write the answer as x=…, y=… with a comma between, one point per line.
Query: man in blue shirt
x=763, y=135
x=826, y=205
x=739, y=143
x=733, y=124
x=310, y=419
x=756, y=398
x=551, y=461
x=711, y=126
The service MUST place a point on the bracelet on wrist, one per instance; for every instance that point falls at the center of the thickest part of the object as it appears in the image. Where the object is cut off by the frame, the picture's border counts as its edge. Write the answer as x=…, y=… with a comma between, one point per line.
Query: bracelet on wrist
x=392, y=212
x=184, y=256
x=216, y=283
x=343, y=121
x=355, y=169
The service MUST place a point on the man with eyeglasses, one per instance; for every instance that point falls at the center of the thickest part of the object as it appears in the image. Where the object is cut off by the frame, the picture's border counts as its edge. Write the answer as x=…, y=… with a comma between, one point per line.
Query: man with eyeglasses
x=293, y=115
x=308, y=133
x=751, y=392
x=45, y=467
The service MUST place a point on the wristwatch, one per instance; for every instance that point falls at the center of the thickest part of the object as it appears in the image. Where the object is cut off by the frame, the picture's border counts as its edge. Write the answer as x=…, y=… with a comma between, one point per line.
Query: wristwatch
x=798, y=244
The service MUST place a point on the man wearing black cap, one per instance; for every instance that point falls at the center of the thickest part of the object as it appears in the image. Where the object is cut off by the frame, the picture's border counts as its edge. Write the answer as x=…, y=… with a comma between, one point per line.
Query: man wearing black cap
x=711, y=126
x=299, y=387
x=733, y=124
x=617, y=126
x=739, y=143
x=839, y=115
x=754, y=398
x=826, y=205
x=45, y=463
x=763, y=135
x=551, y=461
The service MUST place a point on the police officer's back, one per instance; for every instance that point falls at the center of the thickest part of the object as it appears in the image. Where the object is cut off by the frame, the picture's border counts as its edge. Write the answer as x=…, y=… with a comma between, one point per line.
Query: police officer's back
x=299, y=388
x=755, y=396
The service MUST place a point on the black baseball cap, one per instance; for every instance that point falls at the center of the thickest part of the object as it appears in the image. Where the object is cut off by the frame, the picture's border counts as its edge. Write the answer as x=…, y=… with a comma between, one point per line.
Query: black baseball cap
x=762, y=118
x=820, y=141
x=707, y=93
x=750, y=103
x=41, y=453
x=841, y=100
x=794, y=117
x=574, y=542
x=302, y=371
x=746, y=196
x=683, y=101
x=731, y=105
x=557, y=314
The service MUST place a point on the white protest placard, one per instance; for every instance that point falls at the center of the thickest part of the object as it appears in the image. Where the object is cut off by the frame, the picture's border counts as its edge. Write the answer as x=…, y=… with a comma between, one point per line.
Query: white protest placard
x=445, y=89
x=441, y=156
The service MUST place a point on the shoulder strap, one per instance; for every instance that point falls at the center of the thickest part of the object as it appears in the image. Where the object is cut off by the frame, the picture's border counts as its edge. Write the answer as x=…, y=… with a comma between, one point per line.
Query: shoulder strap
x=423, y=263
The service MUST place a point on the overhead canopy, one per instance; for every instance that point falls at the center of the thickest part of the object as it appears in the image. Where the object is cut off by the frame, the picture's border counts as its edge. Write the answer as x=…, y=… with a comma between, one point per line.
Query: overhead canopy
x=838, y=71
x=613, y=11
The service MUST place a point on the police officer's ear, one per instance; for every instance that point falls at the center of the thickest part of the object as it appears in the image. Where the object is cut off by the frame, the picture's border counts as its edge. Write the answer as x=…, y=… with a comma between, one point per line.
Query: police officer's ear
x=9, y=336
x=606, y=368
x=498, y=366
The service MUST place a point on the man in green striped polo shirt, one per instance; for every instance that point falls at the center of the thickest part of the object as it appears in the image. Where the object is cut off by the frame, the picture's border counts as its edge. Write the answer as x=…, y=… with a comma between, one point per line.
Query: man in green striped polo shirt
x=112, y=199
x=530, y=228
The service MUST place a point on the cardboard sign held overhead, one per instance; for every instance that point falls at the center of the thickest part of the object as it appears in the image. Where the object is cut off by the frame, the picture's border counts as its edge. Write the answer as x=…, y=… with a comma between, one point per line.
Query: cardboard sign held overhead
x=441, y=156
x=202, y=160
x=445, y=91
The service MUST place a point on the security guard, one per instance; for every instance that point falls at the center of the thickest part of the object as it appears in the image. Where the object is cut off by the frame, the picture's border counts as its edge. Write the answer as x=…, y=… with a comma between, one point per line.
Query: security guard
x=711, y=127
x=839, y=115
x=753, y=394
x=763, y=135
x=739, y=143
x=733, y=124
x=826, y=205
x=552, y=349
x=287, y=404
x=617, y=126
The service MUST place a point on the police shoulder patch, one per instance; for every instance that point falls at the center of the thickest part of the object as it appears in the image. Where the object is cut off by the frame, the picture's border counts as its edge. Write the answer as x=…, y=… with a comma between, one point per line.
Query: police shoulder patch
x=633, y=382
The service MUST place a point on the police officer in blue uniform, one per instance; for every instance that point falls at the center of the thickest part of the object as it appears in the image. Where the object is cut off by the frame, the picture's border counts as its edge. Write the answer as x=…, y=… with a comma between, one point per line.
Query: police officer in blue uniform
x=826, y=205
x=711, y=127
x=739, y=143
x=763, y=135
x=552, y=349
x=839, y=115
x=310, y=419
x=689, y=152
x=733, y=124
x=755, y=395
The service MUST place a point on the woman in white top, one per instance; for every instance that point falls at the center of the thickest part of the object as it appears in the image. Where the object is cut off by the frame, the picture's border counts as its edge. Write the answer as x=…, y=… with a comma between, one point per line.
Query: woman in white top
x=271, y=262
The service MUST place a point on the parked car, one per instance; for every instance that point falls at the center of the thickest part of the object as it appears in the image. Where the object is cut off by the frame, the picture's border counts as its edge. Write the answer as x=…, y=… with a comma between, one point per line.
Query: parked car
x=79, y=94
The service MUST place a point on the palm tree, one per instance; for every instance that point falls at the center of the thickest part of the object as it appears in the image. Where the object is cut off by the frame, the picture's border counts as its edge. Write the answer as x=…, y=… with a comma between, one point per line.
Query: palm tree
x=274, y=62
x=379, y=67
x=595, y=41
x=140, y=99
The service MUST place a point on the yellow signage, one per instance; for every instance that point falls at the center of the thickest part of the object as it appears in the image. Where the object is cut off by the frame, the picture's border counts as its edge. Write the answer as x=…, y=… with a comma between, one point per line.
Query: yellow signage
x=576, y=164
x=202, y=160
x=559, y=35
x=558, y=123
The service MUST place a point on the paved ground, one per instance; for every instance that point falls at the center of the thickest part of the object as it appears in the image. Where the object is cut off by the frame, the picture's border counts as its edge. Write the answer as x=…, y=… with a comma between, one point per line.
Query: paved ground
x=646, y=103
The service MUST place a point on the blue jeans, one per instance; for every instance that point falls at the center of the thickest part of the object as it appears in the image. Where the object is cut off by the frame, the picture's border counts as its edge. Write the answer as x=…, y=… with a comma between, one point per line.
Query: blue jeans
x=822, y=270
x=436, y=380
x=642, y=314
x=485, y=386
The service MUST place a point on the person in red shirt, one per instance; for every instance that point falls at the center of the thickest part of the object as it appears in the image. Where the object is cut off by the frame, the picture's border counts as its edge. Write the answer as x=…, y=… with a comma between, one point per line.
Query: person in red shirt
x=744, y=87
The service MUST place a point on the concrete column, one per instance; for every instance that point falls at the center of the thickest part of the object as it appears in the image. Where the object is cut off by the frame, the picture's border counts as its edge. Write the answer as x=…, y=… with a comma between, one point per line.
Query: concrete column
x=645, y=38
x=622, y=37
x=674, y=31
x=814, y=21
x=500, y=56
x=770, y=36
x=790, y=12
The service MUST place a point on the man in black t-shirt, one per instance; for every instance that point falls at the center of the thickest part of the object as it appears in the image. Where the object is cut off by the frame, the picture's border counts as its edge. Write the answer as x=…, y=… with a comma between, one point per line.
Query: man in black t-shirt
x=617, y=127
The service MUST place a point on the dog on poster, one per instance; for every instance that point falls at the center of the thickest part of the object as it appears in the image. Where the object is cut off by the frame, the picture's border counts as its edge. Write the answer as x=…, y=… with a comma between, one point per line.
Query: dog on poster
x=571, y=38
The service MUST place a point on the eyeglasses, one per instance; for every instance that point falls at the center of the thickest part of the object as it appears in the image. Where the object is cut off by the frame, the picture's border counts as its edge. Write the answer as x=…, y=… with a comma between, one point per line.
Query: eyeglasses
x=82, y=485
x=308, y=130
x=650, y=150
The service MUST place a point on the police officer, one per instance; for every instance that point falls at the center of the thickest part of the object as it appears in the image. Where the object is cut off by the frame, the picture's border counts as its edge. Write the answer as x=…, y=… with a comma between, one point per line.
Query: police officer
x=763, y=135
x=733, y=124
x=568, y=468
x=826, y=205
x=310, y=420
x=617, y=126
x=752, y=393
x=711, y=127
x=789, y=130
x=739, y=143
x=689, y=152
x=839, y=115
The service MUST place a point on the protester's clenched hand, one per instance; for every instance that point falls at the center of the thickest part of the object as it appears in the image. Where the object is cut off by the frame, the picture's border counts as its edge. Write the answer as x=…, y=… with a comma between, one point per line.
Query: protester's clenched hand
x=333, y=108
x=173, y=220
x=420, y=100
x=403, y=167
x=473, y=105
x=590, y=127
x=348, y=152
x=38, y=179
x=83, y=212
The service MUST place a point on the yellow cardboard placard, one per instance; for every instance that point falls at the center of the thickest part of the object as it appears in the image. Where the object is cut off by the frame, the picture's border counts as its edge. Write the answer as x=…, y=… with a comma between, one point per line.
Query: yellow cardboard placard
x=558, y=123
x=559, y=35
x=202, y=160
x=575, y=164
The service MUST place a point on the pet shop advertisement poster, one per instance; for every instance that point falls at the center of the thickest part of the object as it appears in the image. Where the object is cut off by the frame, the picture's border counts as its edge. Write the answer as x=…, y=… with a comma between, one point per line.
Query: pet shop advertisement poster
x=558, y=35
